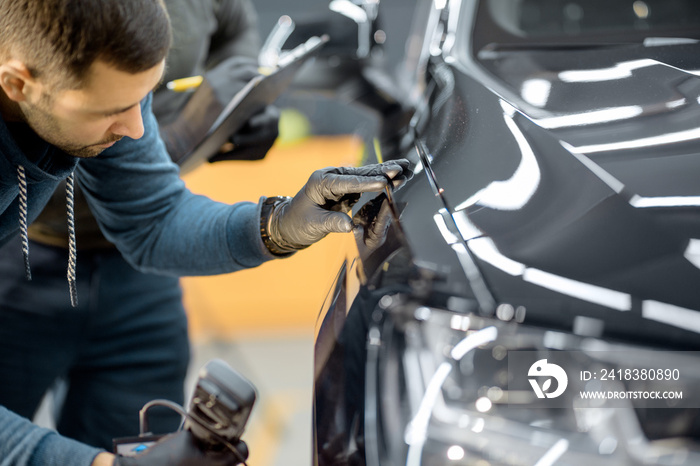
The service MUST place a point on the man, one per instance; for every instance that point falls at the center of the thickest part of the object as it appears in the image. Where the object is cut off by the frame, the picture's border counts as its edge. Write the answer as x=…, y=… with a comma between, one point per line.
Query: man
x=214, y=38
x=76, y=82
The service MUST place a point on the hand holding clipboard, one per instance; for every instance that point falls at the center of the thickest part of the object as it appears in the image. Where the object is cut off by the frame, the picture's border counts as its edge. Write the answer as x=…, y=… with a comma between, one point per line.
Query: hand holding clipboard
x=205, y=125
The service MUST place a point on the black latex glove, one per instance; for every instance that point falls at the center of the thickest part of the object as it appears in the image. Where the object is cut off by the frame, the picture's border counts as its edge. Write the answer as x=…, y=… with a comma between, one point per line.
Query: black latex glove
x=254, y=140
x=182, y=449
x=230, y=76
x=372, y=222
x=321, y=206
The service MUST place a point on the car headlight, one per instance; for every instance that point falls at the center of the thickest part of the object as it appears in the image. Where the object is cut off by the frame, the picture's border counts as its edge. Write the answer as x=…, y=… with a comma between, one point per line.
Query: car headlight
x=450, y=388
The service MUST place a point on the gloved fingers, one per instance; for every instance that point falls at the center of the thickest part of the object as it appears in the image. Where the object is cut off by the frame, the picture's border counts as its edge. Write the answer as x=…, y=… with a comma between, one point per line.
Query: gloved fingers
x=335, y=182
x=231, y=75
x=297, y=230
x=333, y=222
x=265, y=137
x=406, y=173
x=381, y=221
x=325, y=185
x=254, y=139
x=247, y=151
x=394, y=167
x=344, y=204
x=319, y=208
x=388, y=169
x=372, y=222
x=263, y=127
x=269, y=116
x=398, y=171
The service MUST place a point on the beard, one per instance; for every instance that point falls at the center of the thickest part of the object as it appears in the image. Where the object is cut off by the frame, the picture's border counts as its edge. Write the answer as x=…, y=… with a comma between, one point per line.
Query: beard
x=46, y=126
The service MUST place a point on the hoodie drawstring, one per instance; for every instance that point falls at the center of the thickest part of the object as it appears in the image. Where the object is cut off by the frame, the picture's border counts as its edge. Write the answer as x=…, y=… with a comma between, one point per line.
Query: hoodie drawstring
x=24, y=233
x=72, y=251
x=23, y=219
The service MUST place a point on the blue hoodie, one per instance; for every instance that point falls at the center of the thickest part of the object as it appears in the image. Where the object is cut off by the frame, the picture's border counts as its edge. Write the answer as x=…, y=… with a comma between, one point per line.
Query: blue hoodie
x=143, y=207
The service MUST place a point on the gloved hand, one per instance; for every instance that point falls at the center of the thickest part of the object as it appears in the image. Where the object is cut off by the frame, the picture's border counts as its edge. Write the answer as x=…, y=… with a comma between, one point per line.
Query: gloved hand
x=254, y=139
x=194, y=122
x=183, y=449
x=372, y=222
x=321, y=206
x=230, y=76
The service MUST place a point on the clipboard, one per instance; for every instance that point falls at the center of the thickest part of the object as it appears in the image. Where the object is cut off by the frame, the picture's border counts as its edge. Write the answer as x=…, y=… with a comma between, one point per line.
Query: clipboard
x=192, y=138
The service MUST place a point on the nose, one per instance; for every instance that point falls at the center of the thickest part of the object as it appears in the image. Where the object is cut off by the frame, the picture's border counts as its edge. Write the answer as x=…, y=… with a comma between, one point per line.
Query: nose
x=129, y=123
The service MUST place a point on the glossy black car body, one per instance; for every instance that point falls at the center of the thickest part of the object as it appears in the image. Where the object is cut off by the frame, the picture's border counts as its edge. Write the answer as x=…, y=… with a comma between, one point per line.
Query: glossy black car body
x=555, y=206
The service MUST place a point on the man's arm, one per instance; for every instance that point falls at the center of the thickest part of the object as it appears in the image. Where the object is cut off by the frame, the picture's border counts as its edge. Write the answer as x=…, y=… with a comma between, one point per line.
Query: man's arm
x=25, y=444
x=144, y=208
x=159, y=226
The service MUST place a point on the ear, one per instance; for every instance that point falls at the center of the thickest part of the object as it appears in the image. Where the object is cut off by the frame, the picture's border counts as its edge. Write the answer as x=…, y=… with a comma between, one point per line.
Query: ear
x=16, y=80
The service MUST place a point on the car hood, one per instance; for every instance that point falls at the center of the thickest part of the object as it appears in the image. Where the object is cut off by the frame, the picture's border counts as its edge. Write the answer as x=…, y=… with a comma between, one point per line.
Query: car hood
x=632, y=109
x=582, y=208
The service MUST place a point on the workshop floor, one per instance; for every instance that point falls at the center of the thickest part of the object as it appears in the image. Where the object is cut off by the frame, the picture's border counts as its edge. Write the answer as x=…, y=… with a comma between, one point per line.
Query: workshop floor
x=279, y=430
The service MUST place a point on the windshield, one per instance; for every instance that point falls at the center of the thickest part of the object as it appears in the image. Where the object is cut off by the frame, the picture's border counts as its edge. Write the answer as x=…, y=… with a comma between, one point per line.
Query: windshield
x=523, y=23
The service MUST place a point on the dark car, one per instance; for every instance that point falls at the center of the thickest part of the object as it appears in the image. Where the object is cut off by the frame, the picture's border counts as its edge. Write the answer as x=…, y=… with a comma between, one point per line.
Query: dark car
x=535, y=296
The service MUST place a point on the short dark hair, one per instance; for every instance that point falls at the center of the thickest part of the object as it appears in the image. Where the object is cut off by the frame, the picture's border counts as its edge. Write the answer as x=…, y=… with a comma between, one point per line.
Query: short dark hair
x=63, y=38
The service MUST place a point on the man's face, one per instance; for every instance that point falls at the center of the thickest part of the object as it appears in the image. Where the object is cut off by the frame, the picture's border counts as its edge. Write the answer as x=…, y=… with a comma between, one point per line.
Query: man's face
x=84, y=122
